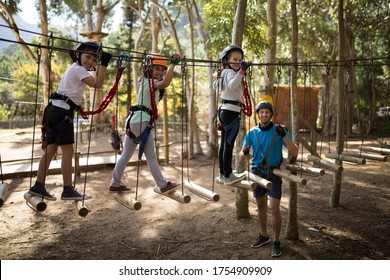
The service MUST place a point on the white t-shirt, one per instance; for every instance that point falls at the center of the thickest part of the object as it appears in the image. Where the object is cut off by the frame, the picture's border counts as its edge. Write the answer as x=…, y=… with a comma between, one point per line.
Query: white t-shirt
x=72, y=86
x=231, y=88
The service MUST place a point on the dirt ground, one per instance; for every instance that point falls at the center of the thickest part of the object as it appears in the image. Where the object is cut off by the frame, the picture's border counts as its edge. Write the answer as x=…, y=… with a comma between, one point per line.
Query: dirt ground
x=200, y=230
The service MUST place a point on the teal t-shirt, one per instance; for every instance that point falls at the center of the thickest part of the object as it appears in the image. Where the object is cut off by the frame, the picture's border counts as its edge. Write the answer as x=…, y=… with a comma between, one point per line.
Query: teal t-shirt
x=265, y=144
x=143, y=98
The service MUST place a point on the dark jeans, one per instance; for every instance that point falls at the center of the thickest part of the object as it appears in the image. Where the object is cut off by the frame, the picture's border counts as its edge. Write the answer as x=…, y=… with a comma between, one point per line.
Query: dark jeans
x=225, y=149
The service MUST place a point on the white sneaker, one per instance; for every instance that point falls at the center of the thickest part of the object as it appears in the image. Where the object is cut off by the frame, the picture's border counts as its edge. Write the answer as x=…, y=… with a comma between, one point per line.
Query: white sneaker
x=220, y=179
x=233, y=178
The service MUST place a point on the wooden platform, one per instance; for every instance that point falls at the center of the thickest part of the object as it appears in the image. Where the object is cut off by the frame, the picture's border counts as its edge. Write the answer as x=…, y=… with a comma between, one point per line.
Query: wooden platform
x=94, y=162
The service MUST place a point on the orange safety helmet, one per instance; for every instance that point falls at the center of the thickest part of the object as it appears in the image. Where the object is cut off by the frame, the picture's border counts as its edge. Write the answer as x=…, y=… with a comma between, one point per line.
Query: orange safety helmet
x=158, y=59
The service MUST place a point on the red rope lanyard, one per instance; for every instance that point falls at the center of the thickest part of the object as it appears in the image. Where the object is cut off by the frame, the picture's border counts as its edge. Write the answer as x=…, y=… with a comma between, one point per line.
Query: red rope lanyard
x=152, y=90
x=103, y=105
x=247, y=100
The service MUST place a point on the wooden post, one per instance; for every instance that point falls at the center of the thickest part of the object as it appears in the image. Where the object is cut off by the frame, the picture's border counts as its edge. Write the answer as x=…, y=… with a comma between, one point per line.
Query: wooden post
x=382, y=151
x=324, y=163
x=127, y=201
x=81, y=208
x=158, y=151
x=290, y=177
x=35, y=203
x=366, y=156
x=77, y=156
x=305, y=169
x=346, y=158
x=200, y=191
x=261, y=181
x=175, y=195
x=3, y=193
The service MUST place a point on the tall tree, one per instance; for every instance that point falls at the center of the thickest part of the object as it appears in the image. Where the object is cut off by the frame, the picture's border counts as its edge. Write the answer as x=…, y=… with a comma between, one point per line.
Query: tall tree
x=8, y=9
x=7, y=15
x=336, y=189
x=212, y=106
x=242, y=210
x=270, y=52
x=292, y=218
x=94, y=32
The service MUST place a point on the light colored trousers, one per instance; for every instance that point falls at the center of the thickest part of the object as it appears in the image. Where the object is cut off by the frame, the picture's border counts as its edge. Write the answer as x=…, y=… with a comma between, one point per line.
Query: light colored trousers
x=128, y=150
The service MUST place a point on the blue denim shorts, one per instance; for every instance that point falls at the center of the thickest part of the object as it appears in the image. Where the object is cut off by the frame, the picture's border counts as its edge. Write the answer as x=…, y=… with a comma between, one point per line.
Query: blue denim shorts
x=275, y=191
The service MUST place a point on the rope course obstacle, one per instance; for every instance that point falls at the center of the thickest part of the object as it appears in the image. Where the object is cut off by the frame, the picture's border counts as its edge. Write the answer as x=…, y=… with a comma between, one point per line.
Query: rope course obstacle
x=329, y=161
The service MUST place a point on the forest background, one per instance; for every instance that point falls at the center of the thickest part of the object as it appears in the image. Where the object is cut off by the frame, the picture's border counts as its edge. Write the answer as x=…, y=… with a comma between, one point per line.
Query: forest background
x=199, y=30
x=341, y=47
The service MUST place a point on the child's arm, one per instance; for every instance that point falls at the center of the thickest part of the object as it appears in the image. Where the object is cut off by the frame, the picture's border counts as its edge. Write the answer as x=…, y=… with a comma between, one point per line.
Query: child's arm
x=98, y=82
x=166, y=81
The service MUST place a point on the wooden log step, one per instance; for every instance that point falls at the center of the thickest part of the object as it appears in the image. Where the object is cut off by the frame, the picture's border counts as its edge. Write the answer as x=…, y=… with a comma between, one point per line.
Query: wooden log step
x=346, y=158
x=306, y=169
x=326, y=164
x=291, y=177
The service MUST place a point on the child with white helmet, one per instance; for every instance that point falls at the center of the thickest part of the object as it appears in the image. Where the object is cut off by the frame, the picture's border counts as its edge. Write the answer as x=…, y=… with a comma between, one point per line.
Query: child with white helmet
x=229, y=114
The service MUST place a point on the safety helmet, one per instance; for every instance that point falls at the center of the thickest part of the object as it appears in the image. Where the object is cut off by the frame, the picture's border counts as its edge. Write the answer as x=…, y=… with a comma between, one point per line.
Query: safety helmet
x=158, y=59
x=264, y=105
x=228, y=49
x=88, y=46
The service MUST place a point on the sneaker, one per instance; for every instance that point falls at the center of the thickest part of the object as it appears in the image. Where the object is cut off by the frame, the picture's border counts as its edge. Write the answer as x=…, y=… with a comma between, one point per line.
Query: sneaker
x=41, y=192
x=233, y=178
x=276, y=249
x=220, y=179
x=71, y=193
x=121, y=188
x=260, y=241
x=170, y=187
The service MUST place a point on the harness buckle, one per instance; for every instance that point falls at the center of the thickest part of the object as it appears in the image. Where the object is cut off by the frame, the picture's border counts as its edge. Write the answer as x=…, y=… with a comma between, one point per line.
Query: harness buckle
x=66, y=100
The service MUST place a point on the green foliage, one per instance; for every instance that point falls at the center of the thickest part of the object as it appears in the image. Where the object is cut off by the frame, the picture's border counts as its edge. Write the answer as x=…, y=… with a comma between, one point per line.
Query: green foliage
x=219, y=20
x=12, y=6
x=370, y=22
x=317, y=22
x=4, y=112
x=11, y=58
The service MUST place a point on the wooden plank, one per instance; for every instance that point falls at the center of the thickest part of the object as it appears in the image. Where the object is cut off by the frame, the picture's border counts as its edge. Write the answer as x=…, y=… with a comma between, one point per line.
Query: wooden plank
x=306, y=169
x=346, y=158
x=326, y=164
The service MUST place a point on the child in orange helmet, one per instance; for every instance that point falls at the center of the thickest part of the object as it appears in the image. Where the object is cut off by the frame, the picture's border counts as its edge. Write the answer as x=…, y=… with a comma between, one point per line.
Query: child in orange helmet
x=140, y=121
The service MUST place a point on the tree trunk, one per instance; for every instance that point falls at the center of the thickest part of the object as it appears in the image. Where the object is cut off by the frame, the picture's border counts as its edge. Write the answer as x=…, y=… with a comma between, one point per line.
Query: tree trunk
x=270, y=54
x=45, y=60
x=336, y=190
x=135, y=64
x=351, y=93
x=173, y=32
x=292, y=217
x=191, y=99
x=155, y=29
x=95, y=33
x=213, y=134
x=242, y=210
